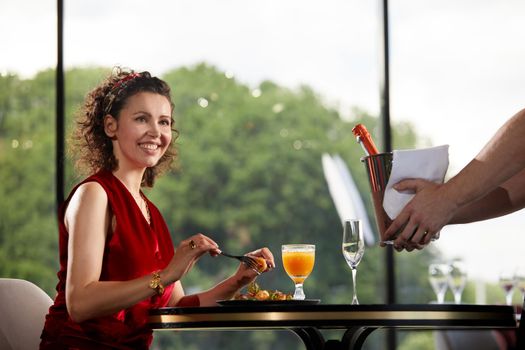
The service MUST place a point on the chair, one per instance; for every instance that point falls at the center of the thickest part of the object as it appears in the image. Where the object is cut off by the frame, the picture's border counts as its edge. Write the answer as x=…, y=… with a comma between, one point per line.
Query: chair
x=23, y=307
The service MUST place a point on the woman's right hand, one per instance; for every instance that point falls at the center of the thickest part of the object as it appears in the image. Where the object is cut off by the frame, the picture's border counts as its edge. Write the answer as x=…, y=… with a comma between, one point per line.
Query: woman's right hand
x=186, y=255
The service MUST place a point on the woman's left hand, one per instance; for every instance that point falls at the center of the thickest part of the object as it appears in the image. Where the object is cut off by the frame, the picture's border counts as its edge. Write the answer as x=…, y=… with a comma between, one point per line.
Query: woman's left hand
x=245, y=274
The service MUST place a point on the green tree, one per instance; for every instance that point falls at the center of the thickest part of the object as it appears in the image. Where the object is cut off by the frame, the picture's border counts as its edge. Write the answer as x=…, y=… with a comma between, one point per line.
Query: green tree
x=248, y=174
x=28, y=245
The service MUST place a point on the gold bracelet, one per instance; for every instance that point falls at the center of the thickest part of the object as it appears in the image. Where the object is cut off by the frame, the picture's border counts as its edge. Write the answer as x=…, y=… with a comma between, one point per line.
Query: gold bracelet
x=156, y=283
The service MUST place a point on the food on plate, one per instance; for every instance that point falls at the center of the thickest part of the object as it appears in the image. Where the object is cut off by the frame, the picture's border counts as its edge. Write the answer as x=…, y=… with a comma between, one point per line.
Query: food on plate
x=254, y=292
x=262, y=295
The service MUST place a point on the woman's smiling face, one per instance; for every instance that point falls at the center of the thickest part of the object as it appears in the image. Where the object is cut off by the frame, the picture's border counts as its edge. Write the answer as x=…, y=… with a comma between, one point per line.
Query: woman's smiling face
x=142, y=133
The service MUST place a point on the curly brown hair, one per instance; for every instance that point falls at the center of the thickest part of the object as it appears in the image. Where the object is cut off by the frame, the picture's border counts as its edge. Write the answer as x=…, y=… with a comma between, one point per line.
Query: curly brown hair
x=90, y=145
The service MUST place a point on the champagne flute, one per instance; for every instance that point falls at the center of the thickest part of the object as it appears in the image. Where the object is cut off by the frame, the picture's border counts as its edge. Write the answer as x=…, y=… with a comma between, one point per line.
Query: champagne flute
x=353, y=249
x=507, y=281
x=438, y=277
x=298, y=262
x=457, y=279
x=520, y=281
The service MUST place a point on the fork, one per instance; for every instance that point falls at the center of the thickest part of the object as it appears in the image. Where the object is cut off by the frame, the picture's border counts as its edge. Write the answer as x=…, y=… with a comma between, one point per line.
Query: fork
x=246, y=260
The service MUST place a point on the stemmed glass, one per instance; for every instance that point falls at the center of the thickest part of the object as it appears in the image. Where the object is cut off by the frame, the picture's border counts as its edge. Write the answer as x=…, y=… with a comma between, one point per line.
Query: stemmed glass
x=520, y=281
x=457, y=279
x=438, y=277
x=507, y=281
x=298, y=262
x=353, y=249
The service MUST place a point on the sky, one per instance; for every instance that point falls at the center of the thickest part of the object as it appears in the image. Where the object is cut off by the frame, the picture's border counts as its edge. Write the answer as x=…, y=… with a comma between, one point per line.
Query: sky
x=457, y=67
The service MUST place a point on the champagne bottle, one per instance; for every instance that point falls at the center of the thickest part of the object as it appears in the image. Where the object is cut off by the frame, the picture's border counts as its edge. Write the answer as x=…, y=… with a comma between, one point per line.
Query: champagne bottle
x=364, y=139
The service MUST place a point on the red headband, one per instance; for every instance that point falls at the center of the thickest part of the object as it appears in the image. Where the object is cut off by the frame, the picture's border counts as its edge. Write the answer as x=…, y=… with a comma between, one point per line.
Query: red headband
x=125, y=79
x=116, y=89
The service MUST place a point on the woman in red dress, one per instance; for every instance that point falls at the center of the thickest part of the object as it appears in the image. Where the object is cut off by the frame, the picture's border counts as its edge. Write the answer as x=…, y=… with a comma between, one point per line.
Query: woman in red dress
x=116, y=255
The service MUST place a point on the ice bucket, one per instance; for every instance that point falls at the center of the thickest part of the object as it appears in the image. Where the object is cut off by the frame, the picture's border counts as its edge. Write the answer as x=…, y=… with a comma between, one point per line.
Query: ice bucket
x=378, y=168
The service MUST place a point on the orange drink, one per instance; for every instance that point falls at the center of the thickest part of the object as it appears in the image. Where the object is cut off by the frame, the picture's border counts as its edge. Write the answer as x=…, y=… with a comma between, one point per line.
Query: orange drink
x=298, y=262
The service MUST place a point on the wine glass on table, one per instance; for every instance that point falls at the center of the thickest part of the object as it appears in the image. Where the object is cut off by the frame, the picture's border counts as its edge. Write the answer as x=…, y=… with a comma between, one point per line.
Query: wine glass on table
x=457, y=279
x=353, y=247
x=298, y=262
x=438, y=276
x=520, y=281
x=507, y=281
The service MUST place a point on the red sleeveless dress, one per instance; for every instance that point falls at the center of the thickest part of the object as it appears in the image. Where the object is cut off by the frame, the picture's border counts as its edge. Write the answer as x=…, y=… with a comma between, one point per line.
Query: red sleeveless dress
x=134, y=249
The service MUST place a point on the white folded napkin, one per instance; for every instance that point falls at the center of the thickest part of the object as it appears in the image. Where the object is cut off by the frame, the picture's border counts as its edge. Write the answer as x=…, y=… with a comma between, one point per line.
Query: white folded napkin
x=428, y=163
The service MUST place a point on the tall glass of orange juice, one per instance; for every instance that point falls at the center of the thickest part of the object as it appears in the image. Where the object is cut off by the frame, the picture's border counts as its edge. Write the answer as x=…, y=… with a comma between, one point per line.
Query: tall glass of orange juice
x=298, y=261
